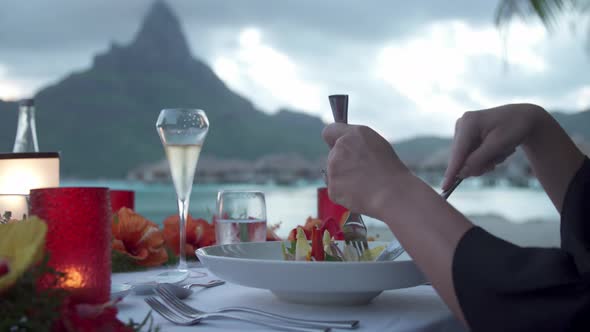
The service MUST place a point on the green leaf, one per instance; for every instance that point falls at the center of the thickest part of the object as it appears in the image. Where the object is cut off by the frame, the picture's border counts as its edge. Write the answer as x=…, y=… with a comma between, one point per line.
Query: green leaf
x=293, y=247
x=121, y=262
x=172, y=258
x=16, y=303
x=139, y=327
x=546, y=11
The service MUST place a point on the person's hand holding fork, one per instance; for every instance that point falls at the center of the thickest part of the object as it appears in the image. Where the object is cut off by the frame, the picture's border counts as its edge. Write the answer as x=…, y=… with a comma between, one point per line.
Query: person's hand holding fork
x=362, y=168
x=485, y=138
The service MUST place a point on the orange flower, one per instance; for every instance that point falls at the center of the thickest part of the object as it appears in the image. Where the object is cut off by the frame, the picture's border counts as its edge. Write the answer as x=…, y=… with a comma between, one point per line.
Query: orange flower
x=138, y=238
x=199, y=233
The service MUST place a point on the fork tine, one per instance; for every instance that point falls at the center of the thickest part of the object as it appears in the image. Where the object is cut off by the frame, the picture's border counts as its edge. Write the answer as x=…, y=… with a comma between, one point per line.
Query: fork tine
x=359, y=247
x=164, y=311
x=174, y=302
x=356, y=249
x=365, y=245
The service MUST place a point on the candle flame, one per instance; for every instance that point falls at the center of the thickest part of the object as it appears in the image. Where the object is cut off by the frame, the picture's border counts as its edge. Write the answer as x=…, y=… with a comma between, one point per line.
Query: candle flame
x=73, y=278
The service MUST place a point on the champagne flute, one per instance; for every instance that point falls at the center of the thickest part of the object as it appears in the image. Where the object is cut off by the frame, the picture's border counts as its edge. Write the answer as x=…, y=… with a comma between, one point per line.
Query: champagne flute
x=182, y=132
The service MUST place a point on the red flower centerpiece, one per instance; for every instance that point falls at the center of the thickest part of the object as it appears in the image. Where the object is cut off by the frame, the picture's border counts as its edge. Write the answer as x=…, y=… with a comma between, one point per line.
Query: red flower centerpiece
x=138, y=238
x=199, y=233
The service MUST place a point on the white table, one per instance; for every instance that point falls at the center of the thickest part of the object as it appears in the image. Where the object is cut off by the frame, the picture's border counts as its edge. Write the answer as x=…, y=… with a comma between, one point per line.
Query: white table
x=412, y=309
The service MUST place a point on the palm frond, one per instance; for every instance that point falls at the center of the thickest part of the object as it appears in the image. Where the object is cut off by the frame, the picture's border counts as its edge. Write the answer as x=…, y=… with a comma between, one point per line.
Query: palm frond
x=546, y=10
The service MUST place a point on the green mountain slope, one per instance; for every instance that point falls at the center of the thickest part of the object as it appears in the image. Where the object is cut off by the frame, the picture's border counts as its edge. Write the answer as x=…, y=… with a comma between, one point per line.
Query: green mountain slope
x=103, y=119
x=576, y=124
x=413, y=151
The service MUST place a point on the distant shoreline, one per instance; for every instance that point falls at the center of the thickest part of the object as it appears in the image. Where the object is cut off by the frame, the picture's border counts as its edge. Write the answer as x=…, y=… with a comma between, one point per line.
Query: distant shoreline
x=523, y=215
x=534, y=233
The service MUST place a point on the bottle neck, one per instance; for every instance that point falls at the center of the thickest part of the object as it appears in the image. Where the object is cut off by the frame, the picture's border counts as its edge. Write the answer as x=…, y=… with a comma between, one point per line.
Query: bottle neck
x=26, y=131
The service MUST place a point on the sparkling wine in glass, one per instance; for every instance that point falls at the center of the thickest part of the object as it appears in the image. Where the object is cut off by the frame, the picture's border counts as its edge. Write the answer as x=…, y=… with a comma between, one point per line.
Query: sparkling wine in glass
x=183, y=133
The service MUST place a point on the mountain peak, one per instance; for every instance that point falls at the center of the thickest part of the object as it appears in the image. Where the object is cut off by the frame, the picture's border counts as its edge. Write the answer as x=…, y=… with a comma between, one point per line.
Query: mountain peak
x=161, y=34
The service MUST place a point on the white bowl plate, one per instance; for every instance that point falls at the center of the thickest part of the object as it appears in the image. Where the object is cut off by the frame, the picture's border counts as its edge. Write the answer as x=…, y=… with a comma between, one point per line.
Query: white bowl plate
x=119, y=291
x=261, y=265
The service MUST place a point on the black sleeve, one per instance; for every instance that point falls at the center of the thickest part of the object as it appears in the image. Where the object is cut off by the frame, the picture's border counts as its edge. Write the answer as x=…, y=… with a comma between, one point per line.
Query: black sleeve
x=504, y=287
x=575, y=219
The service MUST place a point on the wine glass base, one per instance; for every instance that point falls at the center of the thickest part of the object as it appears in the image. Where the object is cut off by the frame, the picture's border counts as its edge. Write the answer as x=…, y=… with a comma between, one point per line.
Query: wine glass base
x=147, y=284
x=182, y=268
x=173, y=276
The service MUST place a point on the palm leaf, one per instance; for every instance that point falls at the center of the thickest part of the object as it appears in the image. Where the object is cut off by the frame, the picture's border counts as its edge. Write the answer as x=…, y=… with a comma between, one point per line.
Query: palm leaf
x=546, y=10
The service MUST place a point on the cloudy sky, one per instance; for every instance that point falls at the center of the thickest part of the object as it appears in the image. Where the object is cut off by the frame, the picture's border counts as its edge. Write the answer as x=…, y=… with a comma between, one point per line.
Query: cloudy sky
x=410, y=67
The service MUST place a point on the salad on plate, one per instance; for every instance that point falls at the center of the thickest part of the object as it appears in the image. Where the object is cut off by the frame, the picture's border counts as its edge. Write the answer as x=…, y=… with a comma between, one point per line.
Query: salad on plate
x=323, y=247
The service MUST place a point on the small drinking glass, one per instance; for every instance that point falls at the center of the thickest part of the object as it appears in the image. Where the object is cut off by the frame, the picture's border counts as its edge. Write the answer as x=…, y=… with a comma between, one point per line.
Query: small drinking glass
x=241, y=217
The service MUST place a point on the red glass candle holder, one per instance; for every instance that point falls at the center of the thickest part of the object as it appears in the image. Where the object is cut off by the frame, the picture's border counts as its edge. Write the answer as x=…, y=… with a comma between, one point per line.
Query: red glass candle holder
x=78, y=239
x=121, y=199
x=327, y=208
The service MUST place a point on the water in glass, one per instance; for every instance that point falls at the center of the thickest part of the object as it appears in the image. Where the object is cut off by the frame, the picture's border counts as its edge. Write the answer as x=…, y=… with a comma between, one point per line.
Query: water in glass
x=241, y=217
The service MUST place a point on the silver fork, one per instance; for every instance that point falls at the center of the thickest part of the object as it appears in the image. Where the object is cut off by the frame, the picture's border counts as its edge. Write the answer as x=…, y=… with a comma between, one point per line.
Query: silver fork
x=394, y=249
x=175, y=318
x=354, y=228
x=191, y=312
x=355, y=233
x=210, y=284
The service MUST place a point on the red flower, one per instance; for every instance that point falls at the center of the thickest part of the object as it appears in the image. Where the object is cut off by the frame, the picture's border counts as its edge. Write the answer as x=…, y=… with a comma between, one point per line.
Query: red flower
x=310, y=223
x=90, y=318
x=199, y=233
x=4, y=268
x=332, y=227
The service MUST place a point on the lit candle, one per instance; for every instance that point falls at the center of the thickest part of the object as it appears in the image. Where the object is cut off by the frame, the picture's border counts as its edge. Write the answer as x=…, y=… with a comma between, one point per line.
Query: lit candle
x=13, y=207
x=21, y=172
x=78, y=238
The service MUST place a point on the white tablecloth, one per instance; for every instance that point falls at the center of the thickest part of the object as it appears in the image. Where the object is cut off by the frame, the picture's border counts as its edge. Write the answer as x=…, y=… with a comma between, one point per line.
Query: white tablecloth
x=412, y=309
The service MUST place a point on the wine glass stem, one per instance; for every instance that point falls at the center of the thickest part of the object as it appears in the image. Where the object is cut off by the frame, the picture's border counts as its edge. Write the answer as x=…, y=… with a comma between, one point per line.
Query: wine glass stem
x=183, y=213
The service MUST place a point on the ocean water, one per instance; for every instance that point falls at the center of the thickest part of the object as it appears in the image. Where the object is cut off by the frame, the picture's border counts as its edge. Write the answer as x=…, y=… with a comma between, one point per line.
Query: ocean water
x=291, y=205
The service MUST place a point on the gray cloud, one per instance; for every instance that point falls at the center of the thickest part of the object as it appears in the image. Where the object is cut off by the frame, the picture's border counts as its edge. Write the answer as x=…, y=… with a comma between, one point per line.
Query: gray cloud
x=41, y=23
x=334, y=41
x=44, y=27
